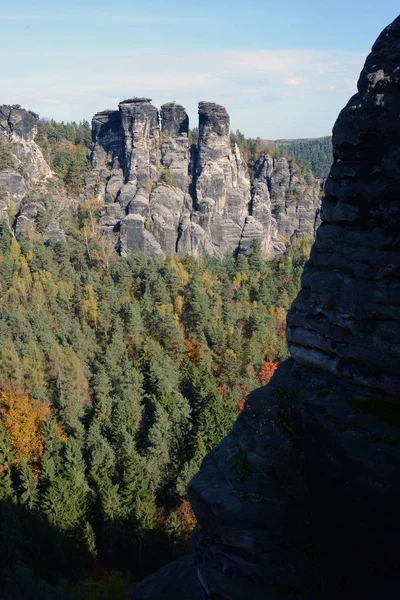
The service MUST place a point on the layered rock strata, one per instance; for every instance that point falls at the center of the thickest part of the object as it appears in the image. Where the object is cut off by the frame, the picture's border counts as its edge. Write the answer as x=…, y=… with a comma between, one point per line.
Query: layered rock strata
x=301, y=499
x=159, y=195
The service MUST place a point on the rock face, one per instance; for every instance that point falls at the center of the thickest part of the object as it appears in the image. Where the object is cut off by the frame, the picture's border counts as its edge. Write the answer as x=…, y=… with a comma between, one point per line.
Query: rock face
x=222, y=185
x=174, y=146
x=24, y=175
x=284, y=206
x=192, y=200
x=344, y=320
x=26, y=167
x=301, y=499
x=176, y=580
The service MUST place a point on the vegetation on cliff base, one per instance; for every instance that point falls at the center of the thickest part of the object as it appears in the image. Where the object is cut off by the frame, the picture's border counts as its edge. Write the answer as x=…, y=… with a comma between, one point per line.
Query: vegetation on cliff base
x=66, y=147
x=311, y=156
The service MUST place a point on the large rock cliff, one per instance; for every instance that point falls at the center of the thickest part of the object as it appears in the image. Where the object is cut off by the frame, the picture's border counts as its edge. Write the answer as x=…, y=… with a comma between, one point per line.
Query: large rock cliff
x=29, y=190
x=301, y=499
x=160, y=195
x=344, y=319
x=23, y=165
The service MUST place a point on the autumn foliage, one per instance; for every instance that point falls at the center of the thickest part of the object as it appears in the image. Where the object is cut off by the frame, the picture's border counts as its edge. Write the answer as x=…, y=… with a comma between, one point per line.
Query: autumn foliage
x=187, y=518
x=146, y=364
x=192, y=351
x=244, y=393
x=22, y=418
x=268, y=368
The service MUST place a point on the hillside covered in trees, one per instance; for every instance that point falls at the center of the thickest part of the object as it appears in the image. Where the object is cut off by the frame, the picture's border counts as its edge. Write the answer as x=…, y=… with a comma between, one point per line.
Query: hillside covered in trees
x=116, y=378
x=66, y=148
x=314, y=153
x=311, y=156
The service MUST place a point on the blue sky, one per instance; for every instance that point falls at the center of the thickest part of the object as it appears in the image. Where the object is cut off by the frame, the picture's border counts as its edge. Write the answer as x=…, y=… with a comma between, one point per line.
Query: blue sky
x=282, y=68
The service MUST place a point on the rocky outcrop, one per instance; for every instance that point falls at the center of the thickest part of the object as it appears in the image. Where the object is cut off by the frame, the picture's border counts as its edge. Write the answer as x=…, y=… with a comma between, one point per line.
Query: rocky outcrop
x=174, y=145
x=346, y=317
x=197, y=200
x=25, y=167
x=126, y=151
x=221, y=182
x=284, y=206
x=176, y=580
x=26, y=179
x=301, y=499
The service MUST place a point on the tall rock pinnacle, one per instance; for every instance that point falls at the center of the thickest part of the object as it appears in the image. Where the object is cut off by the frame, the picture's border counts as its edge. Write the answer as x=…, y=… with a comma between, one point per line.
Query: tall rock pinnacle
x=139, y=120
x=175, y=144
x=222, y=180
x=301, y=499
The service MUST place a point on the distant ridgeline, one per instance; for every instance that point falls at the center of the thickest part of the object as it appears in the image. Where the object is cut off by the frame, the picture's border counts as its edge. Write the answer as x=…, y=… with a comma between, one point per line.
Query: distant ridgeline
x=151, y=183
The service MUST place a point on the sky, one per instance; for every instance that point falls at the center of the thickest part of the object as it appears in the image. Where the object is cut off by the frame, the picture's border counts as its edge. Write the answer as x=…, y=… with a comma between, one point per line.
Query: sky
x=283, y=69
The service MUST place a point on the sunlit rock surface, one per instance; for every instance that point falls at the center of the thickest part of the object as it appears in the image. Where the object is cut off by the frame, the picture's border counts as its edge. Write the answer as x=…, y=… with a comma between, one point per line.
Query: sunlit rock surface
x=196, y=199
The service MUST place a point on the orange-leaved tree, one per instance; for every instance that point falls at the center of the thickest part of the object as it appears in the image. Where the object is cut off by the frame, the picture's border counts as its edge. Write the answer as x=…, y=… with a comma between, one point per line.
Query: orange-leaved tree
x=268, y=368
x=22, y=419
x=187, y=518
x=193, y=351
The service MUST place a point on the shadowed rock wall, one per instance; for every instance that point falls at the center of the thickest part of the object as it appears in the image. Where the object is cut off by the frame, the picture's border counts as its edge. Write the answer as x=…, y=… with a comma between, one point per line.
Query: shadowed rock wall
x=346, y=319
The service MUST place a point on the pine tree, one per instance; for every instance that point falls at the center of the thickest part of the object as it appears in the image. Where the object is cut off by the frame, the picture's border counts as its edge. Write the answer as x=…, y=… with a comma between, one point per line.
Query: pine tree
x=7, y=459
x=28, y=488
x=136, y=497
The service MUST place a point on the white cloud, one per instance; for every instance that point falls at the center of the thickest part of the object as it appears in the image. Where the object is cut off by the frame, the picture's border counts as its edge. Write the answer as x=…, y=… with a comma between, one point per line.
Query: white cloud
x=295, y=81
x=268, y=92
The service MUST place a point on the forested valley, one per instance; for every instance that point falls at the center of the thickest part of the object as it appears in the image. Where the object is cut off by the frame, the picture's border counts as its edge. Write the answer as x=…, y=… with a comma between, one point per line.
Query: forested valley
x=117, y=376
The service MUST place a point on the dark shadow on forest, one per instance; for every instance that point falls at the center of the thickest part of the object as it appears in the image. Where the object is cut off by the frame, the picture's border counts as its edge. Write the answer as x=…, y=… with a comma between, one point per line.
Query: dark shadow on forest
x=39, y=562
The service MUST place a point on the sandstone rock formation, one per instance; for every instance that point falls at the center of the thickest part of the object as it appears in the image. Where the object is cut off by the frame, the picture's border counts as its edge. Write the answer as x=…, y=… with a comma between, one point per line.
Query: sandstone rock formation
x=159, y=195
x=26, y=179
x=283, y=206
x=301, y=499
x=27, y=166
x=174, y=146
x=343, y=321
x=222, y=185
